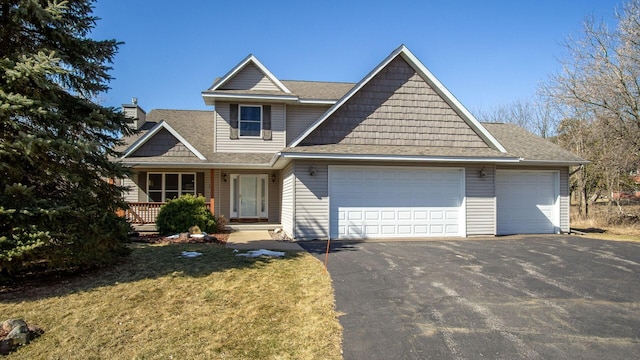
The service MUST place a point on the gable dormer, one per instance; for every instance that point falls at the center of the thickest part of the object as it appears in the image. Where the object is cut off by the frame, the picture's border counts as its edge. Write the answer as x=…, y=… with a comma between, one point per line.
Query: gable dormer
x=249, y=80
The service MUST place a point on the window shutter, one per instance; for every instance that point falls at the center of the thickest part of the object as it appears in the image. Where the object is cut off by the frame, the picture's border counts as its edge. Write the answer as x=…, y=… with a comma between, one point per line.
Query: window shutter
x=142, y=187
x=233, y=121
x=200, y=183
x=266, y=122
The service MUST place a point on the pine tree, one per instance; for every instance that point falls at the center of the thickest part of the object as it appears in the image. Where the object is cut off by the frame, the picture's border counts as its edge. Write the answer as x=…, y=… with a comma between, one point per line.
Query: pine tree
x=56, y=206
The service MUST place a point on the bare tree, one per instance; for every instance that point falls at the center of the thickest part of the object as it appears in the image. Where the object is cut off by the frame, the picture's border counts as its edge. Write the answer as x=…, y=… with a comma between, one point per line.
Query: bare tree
x=602, y=74
x=536, y=114
x=598, y=92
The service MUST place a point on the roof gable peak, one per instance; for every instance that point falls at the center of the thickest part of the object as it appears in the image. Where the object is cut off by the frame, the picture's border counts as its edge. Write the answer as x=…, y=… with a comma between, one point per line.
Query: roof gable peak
x=428, y=77
x=249, y=60
x=152, y=132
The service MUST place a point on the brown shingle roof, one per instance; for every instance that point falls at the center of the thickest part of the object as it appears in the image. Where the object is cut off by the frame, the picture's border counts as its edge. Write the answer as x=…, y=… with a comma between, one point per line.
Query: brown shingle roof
x=196, y=127
x=519, y=142
x=397, y=150
x=318, y=90
x=304, y=90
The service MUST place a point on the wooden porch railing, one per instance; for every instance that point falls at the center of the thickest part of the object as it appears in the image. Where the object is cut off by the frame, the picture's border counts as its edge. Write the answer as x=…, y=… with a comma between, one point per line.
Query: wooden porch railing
x=146, y=212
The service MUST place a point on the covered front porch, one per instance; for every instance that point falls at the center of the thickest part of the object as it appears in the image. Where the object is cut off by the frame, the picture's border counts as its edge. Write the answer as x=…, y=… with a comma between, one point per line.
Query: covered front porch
x=242, y=196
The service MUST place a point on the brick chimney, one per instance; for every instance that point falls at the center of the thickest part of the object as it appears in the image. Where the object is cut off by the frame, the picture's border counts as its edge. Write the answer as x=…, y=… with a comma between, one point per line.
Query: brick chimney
x=135, y=114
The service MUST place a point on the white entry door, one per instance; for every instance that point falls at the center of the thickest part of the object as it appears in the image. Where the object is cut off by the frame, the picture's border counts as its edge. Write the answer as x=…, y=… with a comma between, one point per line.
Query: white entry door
x=249, y=196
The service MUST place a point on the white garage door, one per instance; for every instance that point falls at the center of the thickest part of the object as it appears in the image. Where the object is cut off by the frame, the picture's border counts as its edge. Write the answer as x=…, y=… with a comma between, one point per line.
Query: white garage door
x=527, y=202
x=387, y=202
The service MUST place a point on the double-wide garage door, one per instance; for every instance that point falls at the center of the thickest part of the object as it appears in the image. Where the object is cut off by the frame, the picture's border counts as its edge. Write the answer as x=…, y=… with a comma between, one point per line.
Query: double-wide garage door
x=387, y=202
x=527, y=202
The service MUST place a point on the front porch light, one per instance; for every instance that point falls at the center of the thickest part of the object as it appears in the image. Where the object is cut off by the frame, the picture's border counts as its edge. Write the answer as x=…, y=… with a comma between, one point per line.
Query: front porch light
x=273, y=177
x=225, y=177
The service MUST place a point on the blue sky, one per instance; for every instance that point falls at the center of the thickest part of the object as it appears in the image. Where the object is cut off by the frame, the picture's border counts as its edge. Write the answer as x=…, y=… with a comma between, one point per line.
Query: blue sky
x=486, y=53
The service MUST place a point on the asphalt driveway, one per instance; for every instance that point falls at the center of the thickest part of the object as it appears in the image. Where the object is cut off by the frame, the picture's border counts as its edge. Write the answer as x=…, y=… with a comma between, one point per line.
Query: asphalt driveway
x=550, y=297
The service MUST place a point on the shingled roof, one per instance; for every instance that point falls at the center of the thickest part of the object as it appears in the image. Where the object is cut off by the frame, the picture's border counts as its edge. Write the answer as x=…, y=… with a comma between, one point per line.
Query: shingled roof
x=196, y=127
x=521, y=145
x=529, y=147
x=318, y=90
x=300, y=91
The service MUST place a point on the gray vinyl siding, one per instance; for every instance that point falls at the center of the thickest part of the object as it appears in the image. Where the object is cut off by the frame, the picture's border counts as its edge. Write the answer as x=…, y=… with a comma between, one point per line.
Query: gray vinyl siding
x=132, y=194
x=480, y=200
x=249, y=144
x=286, y=217
x=274, y=200
x=299, y=118
x=397, y=107
x=163, y=144
x=223, y=193
x=141, y=178
x=311, y=201
x=250, y=78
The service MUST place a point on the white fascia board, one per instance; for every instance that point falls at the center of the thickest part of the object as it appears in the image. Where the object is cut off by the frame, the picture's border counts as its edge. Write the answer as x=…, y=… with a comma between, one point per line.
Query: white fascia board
x=209, y=94
x=157, y=164
x=316, y=102
x=400, y=158
x=553, y=162
x=448, y=96
x=346, y=97
x=286, y=98
x=161, y=125
x=241, y=65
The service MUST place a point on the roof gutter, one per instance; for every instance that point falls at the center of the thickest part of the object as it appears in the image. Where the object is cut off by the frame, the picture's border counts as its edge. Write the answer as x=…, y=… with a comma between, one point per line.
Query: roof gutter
x=197, y=165
x=280, y=98
x=206, y=94
x=554, y=162
x=319, y=156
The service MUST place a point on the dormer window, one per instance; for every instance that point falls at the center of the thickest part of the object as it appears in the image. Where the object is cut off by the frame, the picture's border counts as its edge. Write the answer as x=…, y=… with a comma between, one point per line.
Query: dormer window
x=250, y=120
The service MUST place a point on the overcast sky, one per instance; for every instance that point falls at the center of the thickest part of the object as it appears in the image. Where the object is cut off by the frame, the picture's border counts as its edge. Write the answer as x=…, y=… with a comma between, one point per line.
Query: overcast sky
x=485, y=52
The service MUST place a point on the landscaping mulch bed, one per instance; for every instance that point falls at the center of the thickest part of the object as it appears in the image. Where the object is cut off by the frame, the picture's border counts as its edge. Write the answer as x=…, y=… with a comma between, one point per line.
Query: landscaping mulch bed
x=217, y=238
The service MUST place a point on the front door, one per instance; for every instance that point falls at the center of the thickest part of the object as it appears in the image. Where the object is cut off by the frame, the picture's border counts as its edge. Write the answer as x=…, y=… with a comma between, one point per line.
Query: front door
x=248, y=196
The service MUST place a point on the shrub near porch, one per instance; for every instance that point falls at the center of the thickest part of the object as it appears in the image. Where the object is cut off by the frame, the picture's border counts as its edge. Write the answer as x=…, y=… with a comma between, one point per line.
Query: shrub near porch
x=178, y=215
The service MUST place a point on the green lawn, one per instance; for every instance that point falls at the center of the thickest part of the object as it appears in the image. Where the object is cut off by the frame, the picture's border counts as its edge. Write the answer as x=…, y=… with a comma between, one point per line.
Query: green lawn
x=158, y=305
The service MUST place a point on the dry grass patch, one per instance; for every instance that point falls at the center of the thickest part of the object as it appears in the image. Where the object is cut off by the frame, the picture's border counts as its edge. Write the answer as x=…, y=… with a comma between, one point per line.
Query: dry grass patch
x=157, y=305
x=609, y=223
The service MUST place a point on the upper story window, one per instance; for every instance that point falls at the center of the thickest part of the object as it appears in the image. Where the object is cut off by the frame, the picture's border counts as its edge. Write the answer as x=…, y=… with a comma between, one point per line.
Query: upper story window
x=250, y=120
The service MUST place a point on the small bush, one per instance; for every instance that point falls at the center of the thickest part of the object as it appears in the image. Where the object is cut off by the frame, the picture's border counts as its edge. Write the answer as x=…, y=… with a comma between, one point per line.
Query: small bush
x=178, y=215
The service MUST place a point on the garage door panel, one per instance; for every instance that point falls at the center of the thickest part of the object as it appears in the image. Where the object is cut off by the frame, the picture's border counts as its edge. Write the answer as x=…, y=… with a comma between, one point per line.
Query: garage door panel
x=527, y=202
x=396, y=202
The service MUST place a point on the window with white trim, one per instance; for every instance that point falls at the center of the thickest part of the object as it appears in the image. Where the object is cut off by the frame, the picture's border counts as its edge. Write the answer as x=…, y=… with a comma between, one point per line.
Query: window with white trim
x=166, y=186
x=250, y=120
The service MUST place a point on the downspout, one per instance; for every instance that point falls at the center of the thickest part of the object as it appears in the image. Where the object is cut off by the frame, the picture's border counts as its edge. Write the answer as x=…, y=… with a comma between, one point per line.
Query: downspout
x=576, y=170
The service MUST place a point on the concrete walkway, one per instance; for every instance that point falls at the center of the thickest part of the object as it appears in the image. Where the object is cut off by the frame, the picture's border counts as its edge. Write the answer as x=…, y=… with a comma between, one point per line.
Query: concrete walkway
x=259, y=239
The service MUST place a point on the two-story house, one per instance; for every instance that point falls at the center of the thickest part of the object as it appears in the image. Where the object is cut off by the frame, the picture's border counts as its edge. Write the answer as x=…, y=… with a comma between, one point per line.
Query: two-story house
x=394, y=155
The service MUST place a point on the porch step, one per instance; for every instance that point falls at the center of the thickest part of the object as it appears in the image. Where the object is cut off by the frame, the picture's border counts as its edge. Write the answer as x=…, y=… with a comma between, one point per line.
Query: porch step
x=144, y=228
x=252, y=226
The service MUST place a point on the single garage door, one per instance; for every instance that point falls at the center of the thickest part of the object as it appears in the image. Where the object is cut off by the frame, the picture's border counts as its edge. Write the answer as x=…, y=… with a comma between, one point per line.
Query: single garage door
x=527, y=202
x=388, y=202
